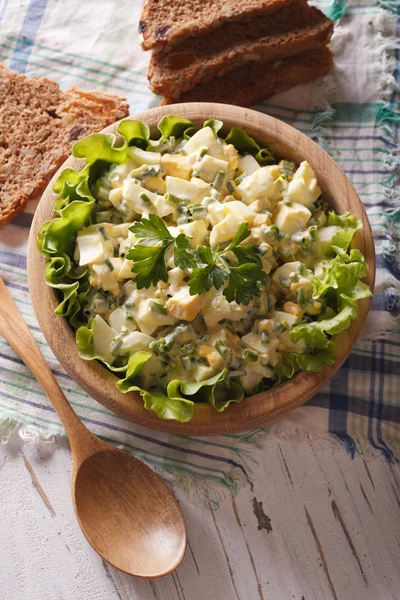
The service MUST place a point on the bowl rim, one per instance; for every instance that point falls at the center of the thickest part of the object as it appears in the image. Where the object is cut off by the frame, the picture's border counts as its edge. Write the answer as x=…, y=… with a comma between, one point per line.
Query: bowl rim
x=255, y=410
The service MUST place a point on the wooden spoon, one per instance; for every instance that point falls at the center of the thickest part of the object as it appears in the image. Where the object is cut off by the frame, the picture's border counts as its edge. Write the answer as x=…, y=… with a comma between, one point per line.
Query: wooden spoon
x=128, y=515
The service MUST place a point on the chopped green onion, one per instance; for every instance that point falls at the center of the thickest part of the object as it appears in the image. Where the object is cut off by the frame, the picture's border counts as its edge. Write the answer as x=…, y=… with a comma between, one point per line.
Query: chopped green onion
x=145, y=199
x=170, y=365
x=109, y=264
x=159, y=307
x=239, y=180
x=287, y=168
x=269, y=302
x=198, y=212
x=151, y=171
x=231, y=187
x=174, y=199
x=293, y=277
x=186, y=363
x=280, y=328
x=129, y=316
x=313, y=233
x=130, y=304
x=302, y=299
x=287, y=201
x=302, y=269
x=104, y=233
x=315, y=206
x=215, y=194
x=204, y=337
x=284, y=281
x=271, y=234
x=203, y=151
x=264, y=337
x=250, y=355
x=221, y=348
x=116, y=347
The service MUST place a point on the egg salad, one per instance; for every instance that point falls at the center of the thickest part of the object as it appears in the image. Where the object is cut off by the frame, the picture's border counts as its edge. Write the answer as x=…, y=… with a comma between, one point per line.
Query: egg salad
x=196, y=269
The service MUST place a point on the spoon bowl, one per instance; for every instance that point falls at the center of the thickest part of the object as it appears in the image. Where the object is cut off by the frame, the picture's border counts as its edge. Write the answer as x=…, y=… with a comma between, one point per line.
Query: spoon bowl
x=134, y=530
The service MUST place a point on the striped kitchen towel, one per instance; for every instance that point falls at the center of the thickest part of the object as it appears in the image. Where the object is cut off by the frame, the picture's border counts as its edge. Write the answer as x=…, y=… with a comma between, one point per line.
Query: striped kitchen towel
x=353, y=113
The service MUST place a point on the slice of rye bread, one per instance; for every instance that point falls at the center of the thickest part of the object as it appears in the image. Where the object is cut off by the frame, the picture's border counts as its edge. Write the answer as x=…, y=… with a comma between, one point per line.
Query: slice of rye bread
x=38, y=125
x=254, y=82
x=165, y=22
x=284, y=33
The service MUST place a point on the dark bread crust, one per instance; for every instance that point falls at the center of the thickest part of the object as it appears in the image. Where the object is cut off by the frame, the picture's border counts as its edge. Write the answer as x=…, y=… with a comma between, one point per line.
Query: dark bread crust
x=253, y=83
x=165, y=22
x=38, y=125
x=285, y=33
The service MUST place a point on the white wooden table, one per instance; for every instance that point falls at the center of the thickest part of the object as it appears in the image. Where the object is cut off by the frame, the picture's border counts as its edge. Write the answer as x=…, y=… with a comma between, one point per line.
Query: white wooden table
x=317, y=525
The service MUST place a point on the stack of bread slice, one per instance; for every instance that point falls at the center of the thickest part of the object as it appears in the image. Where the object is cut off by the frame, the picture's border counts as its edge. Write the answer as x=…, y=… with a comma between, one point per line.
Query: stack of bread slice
x=231, y=51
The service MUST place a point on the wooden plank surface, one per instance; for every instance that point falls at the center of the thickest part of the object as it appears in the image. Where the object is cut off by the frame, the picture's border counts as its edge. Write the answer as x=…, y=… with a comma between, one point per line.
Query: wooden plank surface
x=316, y=526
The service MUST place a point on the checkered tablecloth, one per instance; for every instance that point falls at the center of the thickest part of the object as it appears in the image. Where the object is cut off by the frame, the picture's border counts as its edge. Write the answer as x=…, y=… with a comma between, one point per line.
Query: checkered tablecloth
x=353, y=113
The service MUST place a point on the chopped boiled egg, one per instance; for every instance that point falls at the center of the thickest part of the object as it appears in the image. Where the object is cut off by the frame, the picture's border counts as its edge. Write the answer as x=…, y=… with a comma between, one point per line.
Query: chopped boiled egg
x=241, y=210
x=248, y=165
x=92, y=247
x=196, y=231
x=218, y=308
x=134, y=342
x=177, y=165
x=149, y=317
x=225, y=230
x=209, y=167
x=183, y=306
x=257, y=186
x=204, y=139
x=194, y=190
x=103, y=338
x=290, y=219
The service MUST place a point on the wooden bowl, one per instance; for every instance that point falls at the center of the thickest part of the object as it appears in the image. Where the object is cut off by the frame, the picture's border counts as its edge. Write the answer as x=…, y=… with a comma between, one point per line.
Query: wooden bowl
x=97, y=381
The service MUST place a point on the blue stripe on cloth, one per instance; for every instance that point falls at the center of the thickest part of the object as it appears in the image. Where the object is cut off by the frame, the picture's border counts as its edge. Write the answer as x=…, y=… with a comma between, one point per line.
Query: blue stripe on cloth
x=142, y=437
x=339, y=406
x=18, y=361
x=383, y=367
x=30, y=27
x=371, y=411
x=12, y=259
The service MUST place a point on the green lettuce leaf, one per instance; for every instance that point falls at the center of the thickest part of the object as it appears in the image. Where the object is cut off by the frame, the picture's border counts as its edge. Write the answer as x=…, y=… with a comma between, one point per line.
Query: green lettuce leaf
x=174, y=125
x=99, y=151
x=210, y=390
x=292, y=362
x=346, y=221
x=215, y=125
x=165, y=407
x=247, y=145
x=136, y=133
x=86, y=349
x=58, y=236
x=342, y=275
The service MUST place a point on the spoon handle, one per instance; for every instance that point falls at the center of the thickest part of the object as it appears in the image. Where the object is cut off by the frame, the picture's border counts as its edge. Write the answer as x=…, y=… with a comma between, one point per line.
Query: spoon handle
x=16, y=332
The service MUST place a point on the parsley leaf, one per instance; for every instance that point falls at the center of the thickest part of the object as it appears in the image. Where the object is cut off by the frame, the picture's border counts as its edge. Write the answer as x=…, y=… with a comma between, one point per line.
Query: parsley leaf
x=242, y=233
x=211, y=275
x=243, y=280
x=151, y=230
x=149, y=264
x=182, y=258
x=149, y=260
x=244, y=254
x=243, y=283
